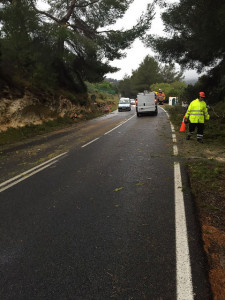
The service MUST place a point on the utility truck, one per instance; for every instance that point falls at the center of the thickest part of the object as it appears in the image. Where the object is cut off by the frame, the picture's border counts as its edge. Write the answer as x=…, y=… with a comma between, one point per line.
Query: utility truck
x=146, y=104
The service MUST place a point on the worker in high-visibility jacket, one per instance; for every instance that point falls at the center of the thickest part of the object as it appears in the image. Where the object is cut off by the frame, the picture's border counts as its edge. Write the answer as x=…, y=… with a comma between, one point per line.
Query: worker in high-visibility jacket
x=160, y=96
x=196, y=115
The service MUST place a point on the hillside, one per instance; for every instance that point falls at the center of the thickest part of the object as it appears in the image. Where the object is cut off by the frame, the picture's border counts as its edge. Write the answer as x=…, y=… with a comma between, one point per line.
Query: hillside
x=28, y=108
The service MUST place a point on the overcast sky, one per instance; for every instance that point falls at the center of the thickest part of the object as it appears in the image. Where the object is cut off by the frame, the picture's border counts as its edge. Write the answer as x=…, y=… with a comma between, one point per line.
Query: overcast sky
x=138, y=51
x=136, y=54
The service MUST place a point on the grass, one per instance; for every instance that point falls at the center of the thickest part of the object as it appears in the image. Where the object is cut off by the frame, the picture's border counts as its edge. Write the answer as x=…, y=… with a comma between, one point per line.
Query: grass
x=214, y=128
x=205, y=162
x=13, y=135
x=206, y=171
x=207, y=175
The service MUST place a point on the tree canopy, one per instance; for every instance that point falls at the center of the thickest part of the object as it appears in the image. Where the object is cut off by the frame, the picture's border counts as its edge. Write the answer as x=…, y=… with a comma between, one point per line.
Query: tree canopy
x=196, y=39
x=66, y=44
x=173, y=89
x=149, y=72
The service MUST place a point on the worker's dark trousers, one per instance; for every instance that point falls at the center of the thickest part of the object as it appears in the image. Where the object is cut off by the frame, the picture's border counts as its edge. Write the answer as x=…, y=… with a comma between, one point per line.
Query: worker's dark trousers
x=200, y=130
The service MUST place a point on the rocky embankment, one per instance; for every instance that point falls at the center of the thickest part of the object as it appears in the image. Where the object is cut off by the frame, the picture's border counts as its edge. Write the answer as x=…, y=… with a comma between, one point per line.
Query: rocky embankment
x=21, y=109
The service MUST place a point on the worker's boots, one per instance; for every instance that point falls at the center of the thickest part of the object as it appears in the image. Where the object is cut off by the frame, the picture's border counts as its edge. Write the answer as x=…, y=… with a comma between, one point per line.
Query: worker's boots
x=200, y=138
x=188, y=136
x=200, y=141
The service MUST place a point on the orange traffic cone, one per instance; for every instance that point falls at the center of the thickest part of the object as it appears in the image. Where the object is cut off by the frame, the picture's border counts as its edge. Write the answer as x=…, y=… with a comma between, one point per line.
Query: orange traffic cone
x=183, y=126
x=109, y=109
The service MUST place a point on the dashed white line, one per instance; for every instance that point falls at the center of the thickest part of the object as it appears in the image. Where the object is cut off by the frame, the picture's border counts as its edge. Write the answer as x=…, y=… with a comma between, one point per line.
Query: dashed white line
x=183, y=267
x=175, y=150
x=172, y=127
x=184, y=284
x=90, y=142
x=174, y=137
x=119, y=125
x=107, y=132
x=13, y=181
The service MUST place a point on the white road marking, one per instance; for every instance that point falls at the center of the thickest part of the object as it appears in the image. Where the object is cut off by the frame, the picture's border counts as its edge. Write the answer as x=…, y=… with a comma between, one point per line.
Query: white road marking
x=119, y=125
x=107, y=132
x=26, y=176
x=175, y=150
x=90, y=142
x=174, y=137
x=184, y=283
x=13, y=181
x=172, y=127
x=31, y=170
x=183, y=266
x=164, y=111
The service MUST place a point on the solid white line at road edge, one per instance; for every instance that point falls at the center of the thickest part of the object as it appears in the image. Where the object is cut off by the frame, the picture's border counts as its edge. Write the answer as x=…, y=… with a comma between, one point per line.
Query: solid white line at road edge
x=183, y=267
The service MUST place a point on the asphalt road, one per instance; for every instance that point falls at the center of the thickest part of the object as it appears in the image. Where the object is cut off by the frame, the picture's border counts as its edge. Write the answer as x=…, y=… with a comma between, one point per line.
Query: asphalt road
x=99, y=222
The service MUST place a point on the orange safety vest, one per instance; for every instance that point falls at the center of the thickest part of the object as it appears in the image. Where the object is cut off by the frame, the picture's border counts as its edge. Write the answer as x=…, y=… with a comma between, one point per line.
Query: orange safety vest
x=161, y=96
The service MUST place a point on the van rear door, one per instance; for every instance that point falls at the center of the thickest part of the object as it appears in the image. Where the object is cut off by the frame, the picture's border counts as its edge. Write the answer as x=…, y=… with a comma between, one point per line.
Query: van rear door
x=146, y=103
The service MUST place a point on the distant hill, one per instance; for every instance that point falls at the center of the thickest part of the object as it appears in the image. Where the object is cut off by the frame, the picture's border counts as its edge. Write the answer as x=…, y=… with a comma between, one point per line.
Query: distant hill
x=113, y=81
x=191, y=81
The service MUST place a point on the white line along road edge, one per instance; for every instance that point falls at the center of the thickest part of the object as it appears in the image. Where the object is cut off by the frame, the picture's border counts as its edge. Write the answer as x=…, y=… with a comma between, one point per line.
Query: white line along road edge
x=7, y=184
x=183, y=265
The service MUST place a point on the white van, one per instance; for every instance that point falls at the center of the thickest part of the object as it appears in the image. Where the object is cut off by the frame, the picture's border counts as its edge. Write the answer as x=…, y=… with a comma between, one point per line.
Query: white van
x=146, y=104
x=124, y=104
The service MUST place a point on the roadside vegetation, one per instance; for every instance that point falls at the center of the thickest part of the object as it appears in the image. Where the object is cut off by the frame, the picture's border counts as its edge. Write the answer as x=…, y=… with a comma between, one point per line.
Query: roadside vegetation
x=205, y=165
x=99, y=103
x=63, y=45
x=152, y=75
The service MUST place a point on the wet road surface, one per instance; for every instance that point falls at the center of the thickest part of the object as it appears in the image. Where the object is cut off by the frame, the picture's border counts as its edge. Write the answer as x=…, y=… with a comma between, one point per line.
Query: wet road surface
x=99, y=223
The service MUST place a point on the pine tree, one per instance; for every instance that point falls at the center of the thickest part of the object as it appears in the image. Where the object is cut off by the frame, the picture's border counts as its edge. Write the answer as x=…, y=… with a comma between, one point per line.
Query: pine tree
x=71, y=41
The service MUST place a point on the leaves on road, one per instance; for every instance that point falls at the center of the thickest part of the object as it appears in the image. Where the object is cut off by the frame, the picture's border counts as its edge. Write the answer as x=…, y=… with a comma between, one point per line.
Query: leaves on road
x=118, y=189
x=140, y=183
